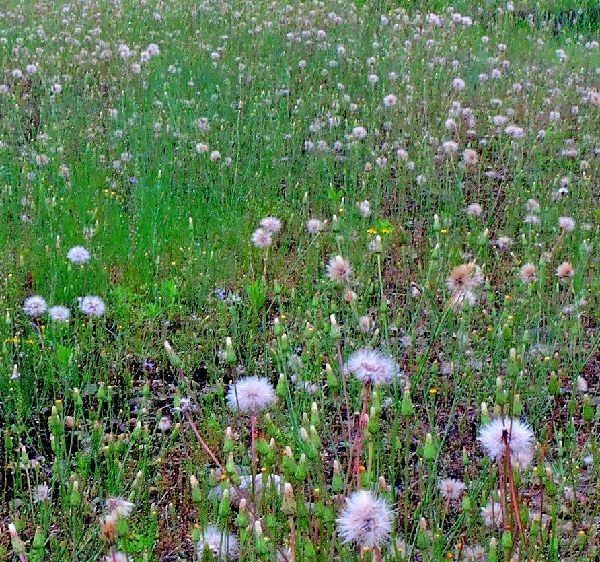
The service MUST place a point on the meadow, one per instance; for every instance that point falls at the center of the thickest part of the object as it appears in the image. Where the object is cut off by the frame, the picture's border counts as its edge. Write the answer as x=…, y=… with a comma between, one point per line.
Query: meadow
x=303, y=281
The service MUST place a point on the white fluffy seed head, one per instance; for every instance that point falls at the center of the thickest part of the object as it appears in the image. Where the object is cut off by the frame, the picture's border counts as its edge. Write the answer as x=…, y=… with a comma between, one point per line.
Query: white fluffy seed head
x=339, y=270
x=272, y=224
x=92, y=306
x=261, y=238
x=222, y=545
x=119, y=506
x=372, y=365
x=492, y=514
x=495, y=435
x=366, y=520
x=59, y=313
x=251, y=395
x=78, y=255
x=566, y=223
x=313, y=226
x=34, y=306
x=451, y=489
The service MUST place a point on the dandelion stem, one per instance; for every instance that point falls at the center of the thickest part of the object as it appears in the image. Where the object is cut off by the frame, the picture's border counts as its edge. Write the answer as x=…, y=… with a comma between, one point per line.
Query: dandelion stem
x=253, y=453
x=513, y=491
x=502, y=492
x=362, y=424
x=292, y=538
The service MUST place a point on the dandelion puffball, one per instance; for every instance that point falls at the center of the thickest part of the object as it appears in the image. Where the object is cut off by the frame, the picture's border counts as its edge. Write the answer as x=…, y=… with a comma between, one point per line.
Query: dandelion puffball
x=251, y=395
x=34, y=306
x=78, y=255
x=222, y=545
x=59, y=314
x=366, y=520
x=271, y=224
x=371, y=365
x=339, y=270
x=501, y=432
x=451, y=489
x=92, y=306
x=261, y=238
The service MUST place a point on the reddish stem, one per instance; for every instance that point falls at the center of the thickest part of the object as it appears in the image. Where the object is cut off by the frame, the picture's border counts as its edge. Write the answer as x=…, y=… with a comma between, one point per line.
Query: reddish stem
x=361, y=432
x=513, y=491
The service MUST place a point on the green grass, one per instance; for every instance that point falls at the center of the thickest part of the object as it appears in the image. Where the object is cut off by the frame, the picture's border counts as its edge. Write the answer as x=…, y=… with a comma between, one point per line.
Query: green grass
x=169, y=226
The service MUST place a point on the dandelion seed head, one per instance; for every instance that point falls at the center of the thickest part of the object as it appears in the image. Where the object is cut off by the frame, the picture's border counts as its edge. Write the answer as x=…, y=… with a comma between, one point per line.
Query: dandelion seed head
x=366, y=520
x=119, y=506
x=339, y=270
x=451, y=489
x=221, y=544
x=474, y=554
x=464, y=277
x=251, y=395
x=59, y=314
x=42, y=493
x=565, y=270
x=92, y=305
x=365, y=208
x=372, y=365
x=261, y=238
x=518, y=436
x=78, y=255
x=492, y=514
x=313, y=226
x=34, y=306
x=566, y=223
x=474, y=210
x=528, y=273
x=531, y=219
x=390, y=100
x=272, y=224
x=359, y=133
x=458, y=84
x=117, y=557
x=470, y=157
